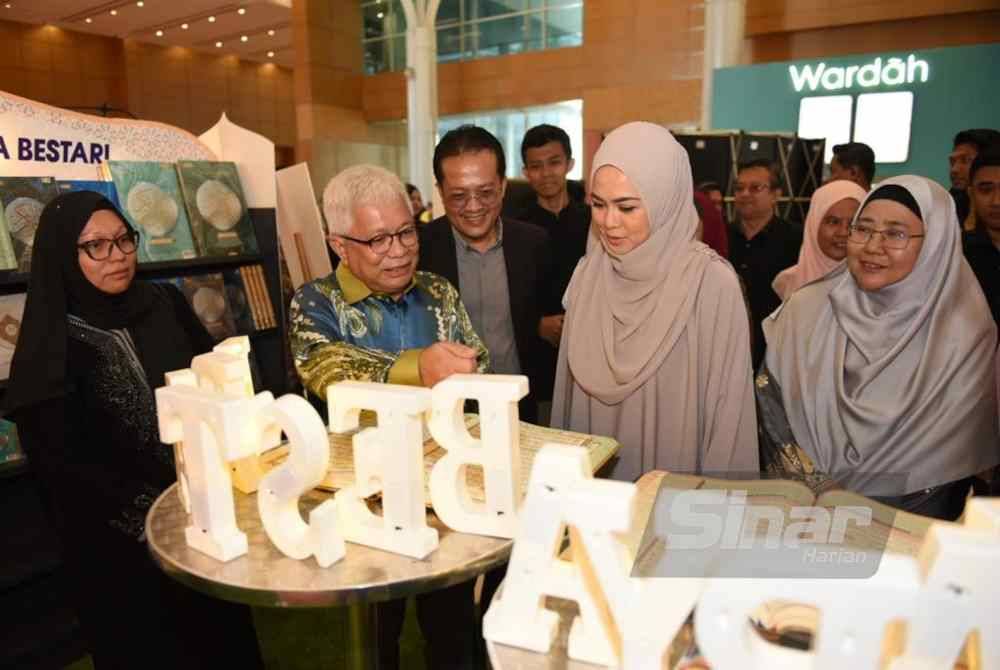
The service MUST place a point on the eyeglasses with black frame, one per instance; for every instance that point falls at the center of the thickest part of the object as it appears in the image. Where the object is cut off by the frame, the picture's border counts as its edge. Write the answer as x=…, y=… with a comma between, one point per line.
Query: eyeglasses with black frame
x=380, y=244
x=892, y=238
x=99, y=249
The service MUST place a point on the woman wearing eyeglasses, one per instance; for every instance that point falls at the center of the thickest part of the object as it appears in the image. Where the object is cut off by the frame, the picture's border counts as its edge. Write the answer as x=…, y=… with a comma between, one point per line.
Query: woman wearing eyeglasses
x=824, y=240
x=878, y=378
x=94, y=344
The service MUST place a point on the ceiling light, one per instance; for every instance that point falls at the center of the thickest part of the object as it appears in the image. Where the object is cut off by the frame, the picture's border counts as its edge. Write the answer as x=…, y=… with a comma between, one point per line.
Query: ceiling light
x=243, y=38
x=270, y=33
x=114, y=12
x=184, y=26
x=159, y=33
x=211, y=19
x=380, y=15
x=241, y=11
x=270, y=54
x=140, y=4
x=218, y=45
x=88, y=19
x=7, y=6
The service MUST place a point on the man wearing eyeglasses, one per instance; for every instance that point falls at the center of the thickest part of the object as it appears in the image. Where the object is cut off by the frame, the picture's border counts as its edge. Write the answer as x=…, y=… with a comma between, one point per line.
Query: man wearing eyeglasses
x=377, y=319
x=499, y=266
x=760, y=244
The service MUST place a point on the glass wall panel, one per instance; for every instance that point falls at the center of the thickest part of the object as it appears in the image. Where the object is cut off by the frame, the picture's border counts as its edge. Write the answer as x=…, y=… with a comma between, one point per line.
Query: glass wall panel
x=470, y=29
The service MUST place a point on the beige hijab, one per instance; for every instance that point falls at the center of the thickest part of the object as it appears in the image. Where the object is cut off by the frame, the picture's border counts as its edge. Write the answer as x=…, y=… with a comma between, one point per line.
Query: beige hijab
x=655, y=345
x=638, y=303
x=813, y=263
x=892, y=391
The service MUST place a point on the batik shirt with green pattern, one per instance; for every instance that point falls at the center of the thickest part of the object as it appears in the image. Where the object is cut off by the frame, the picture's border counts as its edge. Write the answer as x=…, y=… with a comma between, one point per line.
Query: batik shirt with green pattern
x=341, y=331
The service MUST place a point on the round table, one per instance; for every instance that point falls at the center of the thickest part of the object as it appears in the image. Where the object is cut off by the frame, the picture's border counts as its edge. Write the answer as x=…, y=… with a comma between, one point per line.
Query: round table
x=266, y=577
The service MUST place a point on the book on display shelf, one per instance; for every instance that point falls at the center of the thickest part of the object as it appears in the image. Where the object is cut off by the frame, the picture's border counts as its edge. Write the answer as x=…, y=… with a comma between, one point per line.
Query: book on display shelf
x=8, y=259
x=207, y=296
x=10, y=445
x=151, y=201
x=23, y=199
x=105, y=188
x=260, y=301
x=11, y=313
x=217, y=208
x=238, y=298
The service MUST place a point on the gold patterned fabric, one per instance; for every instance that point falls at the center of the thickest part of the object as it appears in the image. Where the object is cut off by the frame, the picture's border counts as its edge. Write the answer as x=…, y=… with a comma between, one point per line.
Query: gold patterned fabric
x=340, y=330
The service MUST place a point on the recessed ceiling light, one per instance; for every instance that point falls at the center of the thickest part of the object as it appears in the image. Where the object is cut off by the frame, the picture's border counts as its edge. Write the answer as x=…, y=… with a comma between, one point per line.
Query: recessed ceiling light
x=184, y=26
x=241, y=11
x=270, y=54
x=7, y=5
x=218, y=45
x=89, y=20
x=270, y=33
x=114, y=12
x=243, y=38
x=159, y=33
x=211, y=19
x=140, y=4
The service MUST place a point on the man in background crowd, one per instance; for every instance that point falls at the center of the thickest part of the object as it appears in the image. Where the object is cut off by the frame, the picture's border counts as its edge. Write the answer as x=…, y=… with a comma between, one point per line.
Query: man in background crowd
x=967, y=144
x=500, y=267
x=982, y=244
x=714, y=193
x=421, y=214
x=853, y=161
x=548, y=158
x=760, y=244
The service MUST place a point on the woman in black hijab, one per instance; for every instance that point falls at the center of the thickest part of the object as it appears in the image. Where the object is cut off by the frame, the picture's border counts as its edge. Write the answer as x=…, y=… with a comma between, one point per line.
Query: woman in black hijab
x=93, y=346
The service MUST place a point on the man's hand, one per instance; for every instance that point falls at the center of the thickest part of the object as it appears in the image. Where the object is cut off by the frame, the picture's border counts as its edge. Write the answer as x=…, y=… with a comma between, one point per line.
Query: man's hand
x=443, y=359
x=550, y=329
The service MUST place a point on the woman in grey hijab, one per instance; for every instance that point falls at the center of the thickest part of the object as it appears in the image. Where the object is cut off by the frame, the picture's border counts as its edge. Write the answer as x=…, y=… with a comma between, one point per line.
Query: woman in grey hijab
x=879, y=377
x=655, y=346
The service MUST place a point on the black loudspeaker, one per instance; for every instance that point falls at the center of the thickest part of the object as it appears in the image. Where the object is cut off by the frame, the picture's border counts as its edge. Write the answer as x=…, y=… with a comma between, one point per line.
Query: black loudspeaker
x=711, y=158
x=716, y=157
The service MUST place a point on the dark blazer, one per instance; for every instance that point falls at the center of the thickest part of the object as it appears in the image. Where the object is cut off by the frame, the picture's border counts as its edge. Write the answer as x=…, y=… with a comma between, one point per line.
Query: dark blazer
x=528, y=267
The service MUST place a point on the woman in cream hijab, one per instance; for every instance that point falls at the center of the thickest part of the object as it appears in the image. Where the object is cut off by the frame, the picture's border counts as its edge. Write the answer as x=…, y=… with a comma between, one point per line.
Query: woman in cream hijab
x=879, y=377
x=824, y=242
x=656, y=346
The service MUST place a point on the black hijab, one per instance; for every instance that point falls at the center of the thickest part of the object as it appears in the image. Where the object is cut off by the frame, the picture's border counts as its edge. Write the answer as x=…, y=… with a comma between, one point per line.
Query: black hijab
x=58, y=287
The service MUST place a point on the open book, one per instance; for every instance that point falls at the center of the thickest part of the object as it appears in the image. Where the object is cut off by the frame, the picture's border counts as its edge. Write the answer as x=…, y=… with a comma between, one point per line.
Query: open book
x=532, y=438
x=783, y=622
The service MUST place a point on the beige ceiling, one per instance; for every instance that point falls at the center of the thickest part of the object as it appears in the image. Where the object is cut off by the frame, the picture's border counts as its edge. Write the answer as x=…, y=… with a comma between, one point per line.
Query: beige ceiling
x=266, y=24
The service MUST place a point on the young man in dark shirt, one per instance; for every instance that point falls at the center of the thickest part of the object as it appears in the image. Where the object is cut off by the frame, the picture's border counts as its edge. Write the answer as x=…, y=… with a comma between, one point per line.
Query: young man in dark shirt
x=548, y=158
x=982, y=245
x=853, y=161
x=967, y=144
x=760, y=244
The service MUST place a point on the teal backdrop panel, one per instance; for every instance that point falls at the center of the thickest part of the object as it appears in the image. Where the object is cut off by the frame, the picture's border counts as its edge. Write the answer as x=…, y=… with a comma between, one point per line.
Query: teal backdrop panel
x=962, y=91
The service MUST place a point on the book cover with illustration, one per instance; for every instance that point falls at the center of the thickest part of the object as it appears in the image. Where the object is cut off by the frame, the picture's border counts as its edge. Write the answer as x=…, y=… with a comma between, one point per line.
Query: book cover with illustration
x=23, y=199
x=217, y=208
x=207, y=296
x=11, y=311
x=8, y=259
x=105, y=188
x=10, y=446
x=151, y=201
x=238, y=298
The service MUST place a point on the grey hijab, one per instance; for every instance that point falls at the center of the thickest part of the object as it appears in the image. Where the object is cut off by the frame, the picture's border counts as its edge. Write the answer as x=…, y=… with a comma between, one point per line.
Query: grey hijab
x=891, y=391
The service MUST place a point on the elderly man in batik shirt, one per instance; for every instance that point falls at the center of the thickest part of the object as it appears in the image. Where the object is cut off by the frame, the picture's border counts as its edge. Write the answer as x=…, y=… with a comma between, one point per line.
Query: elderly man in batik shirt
x=377, y=319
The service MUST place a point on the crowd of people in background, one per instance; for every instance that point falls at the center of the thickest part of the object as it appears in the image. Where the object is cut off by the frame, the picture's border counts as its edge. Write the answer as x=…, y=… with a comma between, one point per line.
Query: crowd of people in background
x=856, y=351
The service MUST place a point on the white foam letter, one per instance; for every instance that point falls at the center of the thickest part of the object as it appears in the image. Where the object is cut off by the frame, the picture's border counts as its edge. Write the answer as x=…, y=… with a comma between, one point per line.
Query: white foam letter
x=498, y=451
x=388, y=458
